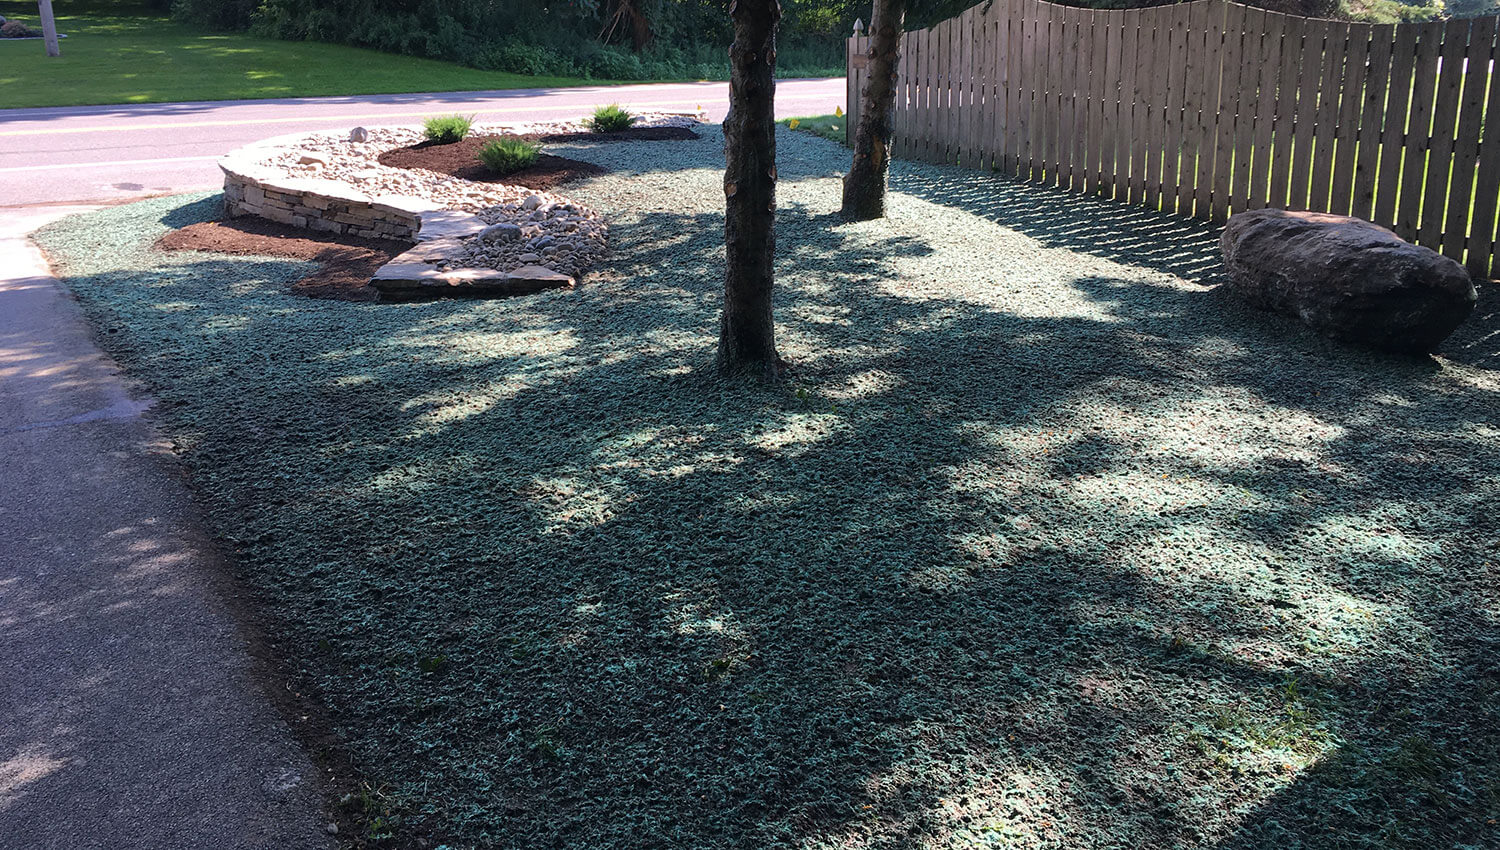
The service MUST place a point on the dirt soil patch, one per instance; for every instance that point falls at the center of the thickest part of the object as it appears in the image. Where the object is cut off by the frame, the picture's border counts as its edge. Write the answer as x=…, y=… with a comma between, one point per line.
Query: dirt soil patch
x=461, y=159
x=633, y=134
x=346, y=263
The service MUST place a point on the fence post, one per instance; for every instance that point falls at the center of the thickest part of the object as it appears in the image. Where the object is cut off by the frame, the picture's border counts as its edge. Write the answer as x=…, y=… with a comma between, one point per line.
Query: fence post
x=852, y=81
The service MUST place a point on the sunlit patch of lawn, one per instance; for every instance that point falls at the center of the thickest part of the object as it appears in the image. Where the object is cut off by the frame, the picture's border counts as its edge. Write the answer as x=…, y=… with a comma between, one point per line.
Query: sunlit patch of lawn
x=111, y=57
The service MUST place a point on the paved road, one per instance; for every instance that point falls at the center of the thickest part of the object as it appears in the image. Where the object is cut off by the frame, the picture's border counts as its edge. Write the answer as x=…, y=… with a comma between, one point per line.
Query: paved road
x=129, y=715
x=110, y=153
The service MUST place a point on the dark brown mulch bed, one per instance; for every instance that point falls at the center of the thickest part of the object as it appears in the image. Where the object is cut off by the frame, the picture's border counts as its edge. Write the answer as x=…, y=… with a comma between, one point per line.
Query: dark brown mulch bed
x=346, y=263
x=634, y=134
x=461, y=159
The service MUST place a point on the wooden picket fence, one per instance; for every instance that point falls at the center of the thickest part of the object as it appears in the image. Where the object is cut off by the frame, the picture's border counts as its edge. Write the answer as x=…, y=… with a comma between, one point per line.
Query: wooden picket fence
x=1209, y=108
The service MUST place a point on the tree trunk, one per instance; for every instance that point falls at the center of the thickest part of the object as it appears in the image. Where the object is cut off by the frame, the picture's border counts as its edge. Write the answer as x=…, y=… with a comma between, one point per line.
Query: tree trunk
x=865, y=184
x=747, y=344
x=49, y=27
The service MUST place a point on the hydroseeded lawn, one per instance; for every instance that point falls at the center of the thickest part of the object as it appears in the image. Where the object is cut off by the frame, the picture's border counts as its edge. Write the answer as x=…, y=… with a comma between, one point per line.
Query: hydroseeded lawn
x=130, y=57
x=1046, y=544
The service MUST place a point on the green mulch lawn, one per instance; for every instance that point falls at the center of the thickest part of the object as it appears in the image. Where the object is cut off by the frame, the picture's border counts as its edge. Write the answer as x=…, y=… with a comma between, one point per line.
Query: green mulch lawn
x=114, y=53
x=1046, y=544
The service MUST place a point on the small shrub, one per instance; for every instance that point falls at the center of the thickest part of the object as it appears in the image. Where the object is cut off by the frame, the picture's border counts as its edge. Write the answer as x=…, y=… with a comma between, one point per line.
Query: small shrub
x=16, y=29
x=447, y=129
x=611, y=64
x=608, y=119
x=530, y=59
x=508, y=153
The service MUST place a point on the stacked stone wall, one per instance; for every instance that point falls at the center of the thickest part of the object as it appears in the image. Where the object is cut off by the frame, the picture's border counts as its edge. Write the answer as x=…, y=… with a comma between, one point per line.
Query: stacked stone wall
x=252, y=187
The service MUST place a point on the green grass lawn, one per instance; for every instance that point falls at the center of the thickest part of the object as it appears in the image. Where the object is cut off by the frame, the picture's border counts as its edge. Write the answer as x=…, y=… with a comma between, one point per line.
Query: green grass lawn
x=128, y=57
x=834, y=128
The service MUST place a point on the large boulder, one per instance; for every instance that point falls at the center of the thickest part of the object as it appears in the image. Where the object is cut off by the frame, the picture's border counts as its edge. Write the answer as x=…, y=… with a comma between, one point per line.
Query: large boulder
x=1346, y=278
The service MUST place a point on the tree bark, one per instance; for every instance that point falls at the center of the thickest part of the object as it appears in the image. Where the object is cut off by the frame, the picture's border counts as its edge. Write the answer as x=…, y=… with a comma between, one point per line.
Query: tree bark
x=747, y=344
x=49, y=27
x=865, y=184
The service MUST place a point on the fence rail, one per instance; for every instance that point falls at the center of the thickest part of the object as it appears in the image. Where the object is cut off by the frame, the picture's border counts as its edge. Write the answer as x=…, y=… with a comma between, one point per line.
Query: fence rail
x=1209, y=108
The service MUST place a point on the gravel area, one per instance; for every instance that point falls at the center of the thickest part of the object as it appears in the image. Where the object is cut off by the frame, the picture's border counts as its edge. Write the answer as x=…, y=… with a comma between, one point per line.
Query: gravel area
x=1046, y=544
x=562, y=235
x=357, y=163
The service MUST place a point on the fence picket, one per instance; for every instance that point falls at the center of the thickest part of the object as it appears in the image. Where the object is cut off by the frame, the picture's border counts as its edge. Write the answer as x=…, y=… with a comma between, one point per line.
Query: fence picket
x=1252, y=194
x=1075, y=100
x=1114, y=39
x=1325, y=128
x=1393, y=133
x=1307, y=113
x=1194, y=94
x=994, y=28
x=1419, y=131
x=1436, y=196
x=1293, y=38
x=1466, y=149
x=1005, y=114
x=1140, y=101
x=967, y=69
x=1483, y=259
x=901, y=121
x=928, y=83
x=1211, y=68
x=1017, y=27
x=1094, y=107
x=1083, y=32
x=1129, y=145
x=1372, y=114
x=1243, y=29
x=1346, y=134
x=1161, y=57
x=914, y=60
x=1029, y=81
x=1054, y=102
x=1051, y=46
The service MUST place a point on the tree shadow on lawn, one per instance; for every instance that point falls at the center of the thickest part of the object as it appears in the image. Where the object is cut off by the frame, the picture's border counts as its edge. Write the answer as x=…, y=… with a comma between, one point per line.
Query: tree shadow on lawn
x=1114, y=572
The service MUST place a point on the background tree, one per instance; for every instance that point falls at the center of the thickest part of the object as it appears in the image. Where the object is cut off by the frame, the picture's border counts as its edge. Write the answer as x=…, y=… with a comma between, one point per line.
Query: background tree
x=865, y=184
x=747, y=344
x=49, y=27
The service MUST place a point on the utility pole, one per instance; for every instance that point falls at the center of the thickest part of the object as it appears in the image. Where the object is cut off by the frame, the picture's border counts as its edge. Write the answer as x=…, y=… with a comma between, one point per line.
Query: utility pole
x=49, y=27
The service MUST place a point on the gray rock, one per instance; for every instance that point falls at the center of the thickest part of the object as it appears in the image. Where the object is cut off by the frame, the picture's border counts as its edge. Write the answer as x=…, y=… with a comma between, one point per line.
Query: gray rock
x=359, y=134
x=530, y=258
x=1346, y=278
x=543, y=242
x=500, y=234
x=531, y=202
x=535, y=278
